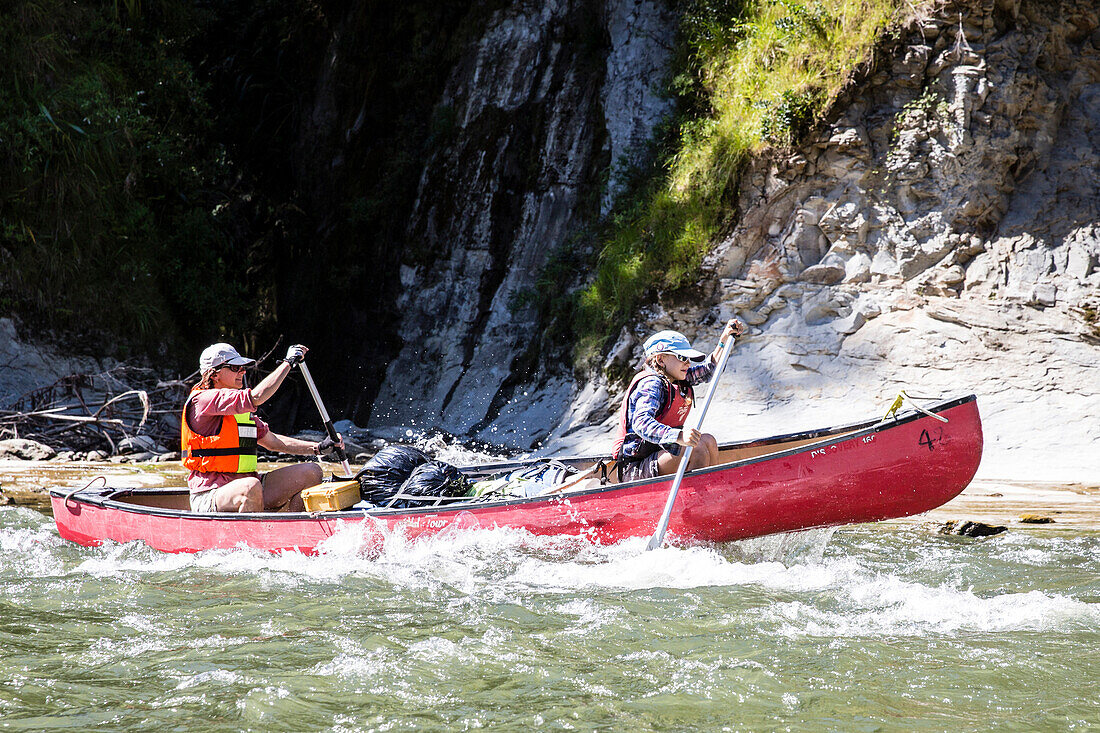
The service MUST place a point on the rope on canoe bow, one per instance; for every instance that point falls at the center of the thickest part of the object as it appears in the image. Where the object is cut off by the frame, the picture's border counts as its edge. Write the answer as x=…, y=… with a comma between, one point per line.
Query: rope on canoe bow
x=88, y=485
x=906, y=398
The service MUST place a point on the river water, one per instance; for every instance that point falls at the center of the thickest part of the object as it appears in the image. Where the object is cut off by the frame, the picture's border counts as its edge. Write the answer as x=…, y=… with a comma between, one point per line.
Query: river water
x=864, y=628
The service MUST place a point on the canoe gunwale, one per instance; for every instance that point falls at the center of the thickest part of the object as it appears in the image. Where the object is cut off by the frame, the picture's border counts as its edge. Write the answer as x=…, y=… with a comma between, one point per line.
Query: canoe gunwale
x=111, y=498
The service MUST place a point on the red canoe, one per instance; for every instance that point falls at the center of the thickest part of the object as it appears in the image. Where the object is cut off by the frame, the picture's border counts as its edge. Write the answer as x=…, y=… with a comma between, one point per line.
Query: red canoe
x=864, y=472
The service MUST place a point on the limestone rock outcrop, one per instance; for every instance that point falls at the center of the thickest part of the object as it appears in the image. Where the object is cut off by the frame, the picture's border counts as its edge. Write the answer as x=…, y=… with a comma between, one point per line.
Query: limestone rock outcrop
x=940, y=234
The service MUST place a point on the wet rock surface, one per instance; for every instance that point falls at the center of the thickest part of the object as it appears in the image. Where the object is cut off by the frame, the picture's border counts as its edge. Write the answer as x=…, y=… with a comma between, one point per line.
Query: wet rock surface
x=1035, y=519
x=967, y=528
x=537, y=116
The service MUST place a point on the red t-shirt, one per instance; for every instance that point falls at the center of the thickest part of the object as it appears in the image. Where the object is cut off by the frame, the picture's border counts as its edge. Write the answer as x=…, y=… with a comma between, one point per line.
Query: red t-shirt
x=205, y=409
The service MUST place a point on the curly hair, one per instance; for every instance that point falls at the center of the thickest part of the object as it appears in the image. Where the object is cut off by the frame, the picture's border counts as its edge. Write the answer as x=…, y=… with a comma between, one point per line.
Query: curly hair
x=207, y=379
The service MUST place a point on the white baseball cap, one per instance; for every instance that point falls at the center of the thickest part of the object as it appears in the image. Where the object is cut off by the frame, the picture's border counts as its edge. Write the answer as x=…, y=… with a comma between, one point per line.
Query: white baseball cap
x=671, y=342
x=217, y=355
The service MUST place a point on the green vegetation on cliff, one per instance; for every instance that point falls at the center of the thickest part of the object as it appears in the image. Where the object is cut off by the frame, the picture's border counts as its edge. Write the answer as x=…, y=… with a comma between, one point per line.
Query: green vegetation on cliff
x=109, y=178
x=751, y=74
x=157, y=185
x=176, y=172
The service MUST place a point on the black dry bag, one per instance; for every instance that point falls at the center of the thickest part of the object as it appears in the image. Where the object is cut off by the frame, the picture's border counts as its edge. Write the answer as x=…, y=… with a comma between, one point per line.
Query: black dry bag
x=383, y=474
x=432, y=479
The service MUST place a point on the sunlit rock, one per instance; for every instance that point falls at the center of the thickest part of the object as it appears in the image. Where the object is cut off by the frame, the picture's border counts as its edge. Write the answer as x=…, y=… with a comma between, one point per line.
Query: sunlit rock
x=21, y=449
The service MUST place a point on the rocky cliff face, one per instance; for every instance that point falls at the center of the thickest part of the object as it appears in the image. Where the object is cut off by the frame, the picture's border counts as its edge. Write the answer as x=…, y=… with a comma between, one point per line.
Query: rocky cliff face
x=940, y=235
x=550, y=96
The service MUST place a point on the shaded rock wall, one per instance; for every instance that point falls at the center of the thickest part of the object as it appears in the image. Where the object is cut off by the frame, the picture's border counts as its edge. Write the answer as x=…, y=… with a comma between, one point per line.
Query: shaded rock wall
x=551, y=94
x=26, y=366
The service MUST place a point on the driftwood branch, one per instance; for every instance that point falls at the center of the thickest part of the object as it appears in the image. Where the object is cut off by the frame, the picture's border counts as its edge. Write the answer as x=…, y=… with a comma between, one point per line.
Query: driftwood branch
x=81, y=412
x=80, y=418
x=140, y=394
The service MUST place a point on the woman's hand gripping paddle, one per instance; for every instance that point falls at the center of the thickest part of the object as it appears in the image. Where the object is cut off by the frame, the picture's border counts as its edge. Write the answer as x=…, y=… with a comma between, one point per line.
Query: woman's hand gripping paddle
x=658, y=537
x=329, y=428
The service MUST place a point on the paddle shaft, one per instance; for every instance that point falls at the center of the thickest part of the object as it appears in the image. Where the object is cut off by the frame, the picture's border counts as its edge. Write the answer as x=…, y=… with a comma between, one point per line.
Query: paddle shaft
x=329, y=427
x=659, y=536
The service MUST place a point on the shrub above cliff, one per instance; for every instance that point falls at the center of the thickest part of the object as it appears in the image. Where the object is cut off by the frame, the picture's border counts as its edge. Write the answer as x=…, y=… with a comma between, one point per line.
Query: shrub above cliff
x=750, y=75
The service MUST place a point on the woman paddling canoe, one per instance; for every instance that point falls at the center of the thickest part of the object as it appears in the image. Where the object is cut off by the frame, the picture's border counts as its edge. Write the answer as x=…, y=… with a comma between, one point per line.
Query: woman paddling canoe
x=220, y=431
x=657, y=403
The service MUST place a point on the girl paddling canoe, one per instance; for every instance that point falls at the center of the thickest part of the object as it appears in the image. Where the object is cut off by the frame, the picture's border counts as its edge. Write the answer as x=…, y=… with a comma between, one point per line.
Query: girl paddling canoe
x=657, y=403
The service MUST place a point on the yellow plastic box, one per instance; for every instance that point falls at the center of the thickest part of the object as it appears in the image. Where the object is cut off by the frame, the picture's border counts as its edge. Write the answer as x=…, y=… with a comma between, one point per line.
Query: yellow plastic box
x=331, y=497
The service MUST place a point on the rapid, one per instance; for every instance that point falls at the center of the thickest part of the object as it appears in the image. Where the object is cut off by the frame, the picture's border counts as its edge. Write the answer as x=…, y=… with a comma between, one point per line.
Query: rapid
x=871, y=627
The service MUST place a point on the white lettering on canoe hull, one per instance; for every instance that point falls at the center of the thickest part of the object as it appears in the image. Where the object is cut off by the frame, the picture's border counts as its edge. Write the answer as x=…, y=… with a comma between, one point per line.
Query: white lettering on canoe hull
x=837, y=447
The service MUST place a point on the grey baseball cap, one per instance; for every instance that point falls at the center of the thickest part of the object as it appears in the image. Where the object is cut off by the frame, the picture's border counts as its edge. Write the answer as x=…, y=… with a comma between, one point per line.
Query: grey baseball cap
x=217, y=355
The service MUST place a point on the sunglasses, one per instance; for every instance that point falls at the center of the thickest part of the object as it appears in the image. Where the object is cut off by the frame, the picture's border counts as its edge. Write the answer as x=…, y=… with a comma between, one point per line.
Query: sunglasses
x=682, y=359
x=237, y=369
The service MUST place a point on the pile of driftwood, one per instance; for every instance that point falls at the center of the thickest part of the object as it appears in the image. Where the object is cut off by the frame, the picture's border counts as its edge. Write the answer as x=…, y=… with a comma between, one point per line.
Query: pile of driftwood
x=126, y=409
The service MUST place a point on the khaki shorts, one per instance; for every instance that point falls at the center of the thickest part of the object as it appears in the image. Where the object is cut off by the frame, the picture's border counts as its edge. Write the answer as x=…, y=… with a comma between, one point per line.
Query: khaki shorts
x=204, y=503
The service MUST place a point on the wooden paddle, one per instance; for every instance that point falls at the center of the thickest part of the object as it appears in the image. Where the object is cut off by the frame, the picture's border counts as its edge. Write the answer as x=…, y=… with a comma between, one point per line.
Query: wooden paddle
x=329, y=427
x=659, y=536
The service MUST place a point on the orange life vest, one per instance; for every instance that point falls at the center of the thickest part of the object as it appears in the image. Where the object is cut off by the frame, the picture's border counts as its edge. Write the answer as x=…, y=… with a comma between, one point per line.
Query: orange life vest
x=673, y=412
x=231, y=450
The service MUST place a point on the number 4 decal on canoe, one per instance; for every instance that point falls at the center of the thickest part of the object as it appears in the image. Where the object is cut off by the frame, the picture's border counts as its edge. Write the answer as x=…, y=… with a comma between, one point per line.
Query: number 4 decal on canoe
x=928, y=440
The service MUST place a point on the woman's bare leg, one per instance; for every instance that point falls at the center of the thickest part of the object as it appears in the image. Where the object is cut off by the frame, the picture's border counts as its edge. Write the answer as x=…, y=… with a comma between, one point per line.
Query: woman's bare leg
x=703, y=455
x=668, y=463
x=240, y=495
x=285, y=485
